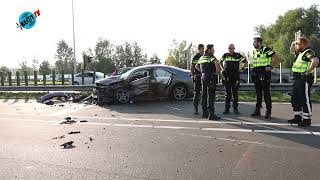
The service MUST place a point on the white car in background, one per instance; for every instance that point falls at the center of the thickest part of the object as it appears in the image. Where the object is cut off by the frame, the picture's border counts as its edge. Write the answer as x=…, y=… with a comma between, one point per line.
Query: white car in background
x=88, y=78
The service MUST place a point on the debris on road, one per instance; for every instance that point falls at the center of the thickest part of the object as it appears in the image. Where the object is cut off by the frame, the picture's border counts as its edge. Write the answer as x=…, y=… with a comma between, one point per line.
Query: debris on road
x=74, y=132
x=83, y=121
x=60, y=137
x=68, y=122
x=67, y=144
x=49, y=103
x=91, y=139
x=67, y=118
x=61, y=105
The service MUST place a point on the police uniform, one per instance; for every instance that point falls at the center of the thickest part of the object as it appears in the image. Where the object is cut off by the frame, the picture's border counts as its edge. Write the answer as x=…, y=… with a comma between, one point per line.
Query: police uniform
x=196, y=83
x=261, y=78
x=231, y=79
x=209, y=79
x=301, y=102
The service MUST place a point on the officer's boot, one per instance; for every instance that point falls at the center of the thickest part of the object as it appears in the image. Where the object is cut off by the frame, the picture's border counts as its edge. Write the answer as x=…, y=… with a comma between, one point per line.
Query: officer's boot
x=305, y=123
x=268, y=114
x=235, y=110
x=205, y=113
x=297, y=119
x=213, y=116
x=195, y=105
x=226, y=109
x=256, y=112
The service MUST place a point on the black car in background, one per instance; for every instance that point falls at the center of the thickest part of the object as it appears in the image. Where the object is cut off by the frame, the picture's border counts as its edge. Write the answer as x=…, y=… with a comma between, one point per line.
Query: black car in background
x=275, y=77
x=149, y=81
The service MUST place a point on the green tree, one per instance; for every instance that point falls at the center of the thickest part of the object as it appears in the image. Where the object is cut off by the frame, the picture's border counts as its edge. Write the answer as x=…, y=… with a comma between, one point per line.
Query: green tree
x=64, y=57
x=280, y=34
x=138, y=58
x=45, y=68
x=5, y=71
x=154, y=59
x=176, y=56
x=103, y=58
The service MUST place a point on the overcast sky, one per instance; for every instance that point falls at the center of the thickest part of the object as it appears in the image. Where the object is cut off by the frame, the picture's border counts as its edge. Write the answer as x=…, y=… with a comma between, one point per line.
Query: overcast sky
x=153, y=24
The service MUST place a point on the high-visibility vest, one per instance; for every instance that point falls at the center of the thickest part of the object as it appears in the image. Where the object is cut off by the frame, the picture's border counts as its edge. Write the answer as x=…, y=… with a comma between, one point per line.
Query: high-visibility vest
x=261, y=58
x=232, y=58
x=205, y=59
x=300, y=66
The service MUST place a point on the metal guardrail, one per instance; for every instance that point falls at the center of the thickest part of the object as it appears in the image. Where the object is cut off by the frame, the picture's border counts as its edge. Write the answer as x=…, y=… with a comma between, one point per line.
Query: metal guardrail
x=220, y=87
x=47, y=88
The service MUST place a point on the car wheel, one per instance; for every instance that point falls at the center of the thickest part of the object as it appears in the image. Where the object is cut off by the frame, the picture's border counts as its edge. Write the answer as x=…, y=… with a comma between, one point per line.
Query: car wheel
x=179, y=92
x=75, y=83
x=122, y=96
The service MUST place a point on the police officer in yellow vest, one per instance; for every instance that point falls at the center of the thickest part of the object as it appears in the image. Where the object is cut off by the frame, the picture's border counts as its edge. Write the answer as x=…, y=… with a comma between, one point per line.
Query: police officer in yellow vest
x=230, y=63
x=302, y=69
x=196, y=78
x=210, y=68
x=263, y=61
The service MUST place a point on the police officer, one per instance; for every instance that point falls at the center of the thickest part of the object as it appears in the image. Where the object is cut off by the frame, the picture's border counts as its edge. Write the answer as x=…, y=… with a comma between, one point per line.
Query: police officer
x=302, y=69
x=210, y=68
x=196, y=78
x=230, y=63
x=263, y=61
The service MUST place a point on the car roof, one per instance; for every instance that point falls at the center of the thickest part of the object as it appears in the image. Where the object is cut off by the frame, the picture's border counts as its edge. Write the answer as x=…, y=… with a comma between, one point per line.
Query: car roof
x=161, y=66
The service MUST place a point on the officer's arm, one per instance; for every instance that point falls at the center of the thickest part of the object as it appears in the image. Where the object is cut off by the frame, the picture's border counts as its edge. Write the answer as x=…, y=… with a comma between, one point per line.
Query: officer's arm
x=197, y=66
x=313, y=65
x=193, y=68
x=218, y=67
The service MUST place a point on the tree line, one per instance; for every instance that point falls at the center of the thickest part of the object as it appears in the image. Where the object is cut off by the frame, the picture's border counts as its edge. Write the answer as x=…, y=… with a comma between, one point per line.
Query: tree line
x=106, y=57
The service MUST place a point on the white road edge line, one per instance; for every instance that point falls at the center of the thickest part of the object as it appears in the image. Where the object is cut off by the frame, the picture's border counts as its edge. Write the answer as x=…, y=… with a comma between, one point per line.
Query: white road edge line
x=167, y=120
x=180, y=127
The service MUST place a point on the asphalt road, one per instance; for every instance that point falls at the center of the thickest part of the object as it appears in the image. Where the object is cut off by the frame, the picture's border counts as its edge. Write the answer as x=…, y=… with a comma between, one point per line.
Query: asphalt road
x=153, y=140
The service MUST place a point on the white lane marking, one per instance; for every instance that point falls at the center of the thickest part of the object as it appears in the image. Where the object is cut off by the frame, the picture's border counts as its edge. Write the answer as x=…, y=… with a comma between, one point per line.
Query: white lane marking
x=175, y=127
x=246, y=141
x=170, y=120
x=284, y=132
x=174, y=108
x=181, y=127
x=226, y=130
x=71, y=110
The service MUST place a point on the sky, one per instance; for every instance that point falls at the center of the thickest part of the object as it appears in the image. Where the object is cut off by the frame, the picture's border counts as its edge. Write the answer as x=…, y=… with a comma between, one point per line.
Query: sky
x=153, y=24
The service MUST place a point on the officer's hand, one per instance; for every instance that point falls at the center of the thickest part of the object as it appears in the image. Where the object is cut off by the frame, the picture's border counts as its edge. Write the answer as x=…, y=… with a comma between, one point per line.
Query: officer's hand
x=268, y=68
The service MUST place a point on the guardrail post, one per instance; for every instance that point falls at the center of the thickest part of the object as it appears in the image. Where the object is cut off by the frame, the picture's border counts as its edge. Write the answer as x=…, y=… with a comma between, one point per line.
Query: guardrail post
x=72, y=79
x=44, y=79
x=10, y=78
x=248, y=82
x=53, y=77
x=18, y=78
x=94, y=77
x=82, y=77
x=2, y=78
x=35, y=78
x=280, y=73
x=315, y=75
x=62, y=77
x=25, y=78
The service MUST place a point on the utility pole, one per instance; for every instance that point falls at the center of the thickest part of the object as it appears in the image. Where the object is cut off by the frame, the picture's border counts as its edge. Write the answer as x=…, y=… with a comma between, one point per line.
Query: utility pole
x=74, y=43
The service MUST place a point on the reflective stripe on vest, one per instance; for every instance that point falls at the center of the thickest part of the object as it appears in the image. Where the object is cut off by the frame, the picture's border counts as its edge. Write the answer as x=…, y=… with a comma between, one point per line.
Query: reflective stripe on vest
x=230, y=58
x=205, y=59
x=262, y=60
x=300, y=66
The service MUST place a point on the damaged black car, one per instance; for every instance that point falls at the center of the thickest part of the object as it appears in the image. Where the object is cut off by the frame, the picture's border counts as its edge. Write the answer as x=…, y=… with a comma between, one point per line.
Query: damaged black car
x=145, y=82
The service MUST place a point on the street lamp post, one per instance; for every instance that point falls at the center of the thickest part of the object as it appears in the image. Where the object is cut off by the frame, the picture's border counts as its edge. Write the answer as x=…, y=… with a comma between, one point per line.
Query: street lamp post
x=74, y=43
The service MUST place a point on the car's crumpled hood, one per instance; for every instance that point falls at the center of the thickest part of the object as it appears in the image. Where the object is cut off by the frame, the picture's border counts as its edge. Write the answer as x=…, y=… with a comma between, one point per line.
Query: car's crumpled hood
x=109, y=80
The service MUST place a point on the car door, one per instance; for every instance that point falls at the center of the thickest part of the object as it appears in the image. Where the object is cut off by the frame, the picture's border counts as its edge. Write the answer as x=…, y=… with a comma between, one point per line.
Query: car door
x=140, y=82
x=161, y=82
